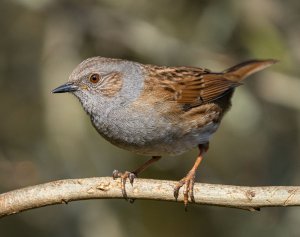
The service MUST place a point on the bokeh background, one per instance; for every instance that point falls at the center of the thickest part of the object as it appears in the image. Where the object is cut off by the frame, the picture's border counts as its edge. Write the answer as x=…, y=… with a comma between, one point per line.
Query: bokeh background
x=45, y=137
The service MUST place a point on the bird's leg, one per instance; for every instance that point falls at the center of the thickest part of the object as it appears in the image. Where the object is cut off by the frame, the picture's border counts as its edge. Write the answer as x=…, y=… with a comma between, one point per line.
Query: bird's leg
x=132, y=175
x=189, y=179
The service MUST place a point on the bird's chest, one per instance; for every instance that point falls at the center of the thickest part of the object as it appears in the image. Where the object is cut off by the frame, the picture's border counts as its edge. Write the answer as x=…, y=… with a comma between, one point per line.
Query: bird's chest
x=131, y=130
x=148, y=134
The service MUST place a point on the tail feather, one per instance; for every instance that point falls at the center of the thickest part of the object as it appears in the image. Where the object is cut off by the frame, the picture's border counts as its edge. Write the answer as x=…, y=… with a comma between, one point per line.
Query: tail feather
x=241, y=71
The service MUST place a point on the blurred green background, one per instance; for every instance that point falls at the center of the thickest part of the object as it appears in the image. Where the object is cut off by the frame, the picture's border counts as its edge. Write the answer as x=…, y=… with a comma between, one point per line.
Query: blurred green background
x=45, y=137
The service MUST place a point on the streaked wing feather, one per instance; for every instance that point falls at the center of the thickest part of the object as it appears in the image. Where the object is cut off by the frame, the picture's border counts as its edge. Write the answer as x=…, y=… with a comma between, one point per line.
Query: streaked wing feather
x=195, y=86
x=204, y=89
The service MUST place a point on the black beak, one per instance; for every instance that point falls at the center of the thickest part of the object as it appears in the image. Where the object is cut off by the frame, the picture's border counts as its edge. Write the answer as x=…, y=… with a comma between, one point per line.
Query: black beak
x=68, y=87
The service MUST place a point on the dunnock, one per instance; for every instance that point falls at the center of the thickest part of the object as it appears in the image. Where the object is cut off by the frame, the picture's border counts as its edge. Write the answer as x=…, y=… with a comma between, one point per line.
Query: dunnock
x=155, y=110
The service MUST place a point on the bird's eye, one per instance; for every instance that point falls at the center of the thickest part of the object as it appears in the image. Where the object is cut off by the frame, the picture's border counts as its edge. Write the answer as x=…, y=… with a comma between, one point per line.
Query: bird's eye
x=94, y=78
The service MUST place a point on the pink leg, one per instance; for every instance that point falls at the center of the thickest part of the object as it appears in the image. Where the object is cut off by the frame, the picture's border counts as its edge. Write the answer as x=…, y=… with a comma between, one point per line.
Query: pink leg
x=189, y=179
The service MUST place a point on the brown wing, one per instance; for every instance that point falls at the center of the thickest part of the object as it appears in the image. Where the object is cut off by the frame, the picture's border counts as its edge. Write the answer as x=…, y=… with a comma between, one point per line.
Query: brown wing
x=196, y=86
x=192, y=86
x=203, y=89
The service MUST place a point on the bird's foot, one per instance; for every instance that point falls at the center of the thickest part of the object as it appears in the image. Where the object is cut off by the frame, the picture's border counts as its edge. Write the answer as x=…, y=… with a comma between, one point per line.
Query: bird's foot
x=124, y=176
x=188, y=181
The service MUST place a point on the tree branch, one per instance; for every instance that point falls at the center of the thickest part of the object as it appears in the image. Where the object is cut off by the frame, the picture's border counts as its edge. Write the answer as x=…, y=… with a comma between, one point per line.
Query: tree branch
x=64, y=191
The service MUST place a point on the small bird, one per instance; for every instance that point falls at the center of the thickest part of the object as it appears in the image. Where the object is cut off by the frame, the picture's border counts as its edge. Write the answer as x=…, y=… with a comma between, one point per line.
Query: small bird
x=156, y=110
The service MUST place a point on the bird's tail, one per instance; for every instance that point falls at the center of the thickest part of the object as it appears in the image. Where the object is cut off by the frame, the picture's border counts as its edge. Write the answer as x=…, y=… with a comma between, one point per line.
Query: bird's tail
x=239, y=72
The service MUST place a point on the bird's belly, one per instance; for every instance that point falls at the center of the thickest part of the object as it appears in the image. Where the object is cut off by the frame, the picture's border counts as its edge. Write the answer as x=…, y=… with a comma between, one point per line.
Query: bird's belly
x=174, y=144
x=165, y=142
x=152, y=135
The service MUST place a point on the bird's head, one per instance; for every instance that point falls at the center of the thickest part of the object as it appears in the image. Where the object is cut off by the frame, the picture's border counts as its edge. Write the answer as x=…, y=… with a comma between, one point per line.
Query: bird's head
x=103, y=82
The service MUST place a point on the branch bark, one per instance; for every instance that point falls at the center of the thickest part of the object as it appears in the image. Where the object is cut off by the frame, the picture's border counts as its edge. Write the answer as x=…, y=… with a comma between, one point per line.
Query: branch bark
x=64, y=191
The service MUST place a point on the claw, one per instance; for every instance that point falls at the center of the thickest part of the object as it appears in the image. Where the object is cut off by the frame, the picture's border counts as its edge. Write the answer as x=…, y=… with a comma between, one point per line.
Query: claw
x=189, y=179
x=124, y=176
x=131, y=177
x=115, y=174
x=192, y=183
x=189, y=182
x=176, y=193
x=131, y=200
x=177, y=188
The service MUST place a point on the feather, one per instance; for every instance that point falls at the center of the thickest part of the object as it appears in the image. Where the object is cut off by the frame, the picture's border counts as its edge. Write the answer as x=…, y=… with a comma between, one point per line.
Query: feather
x=196, y=86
